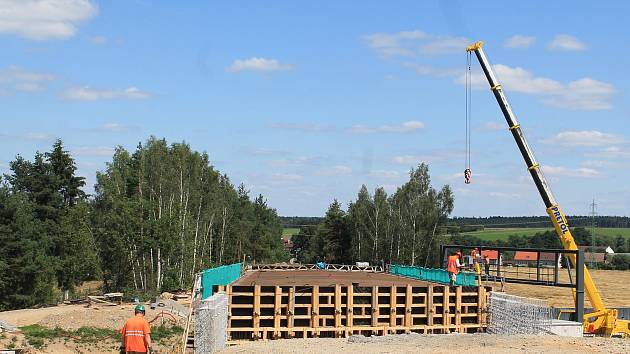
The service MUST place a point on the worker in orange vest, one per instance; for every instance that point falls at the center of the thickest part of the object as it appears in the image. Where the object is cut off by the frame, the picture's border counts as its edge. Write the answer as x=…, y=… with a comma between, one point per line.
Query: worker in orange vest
x=452, y=266
x=474, y=254
x=136, y=333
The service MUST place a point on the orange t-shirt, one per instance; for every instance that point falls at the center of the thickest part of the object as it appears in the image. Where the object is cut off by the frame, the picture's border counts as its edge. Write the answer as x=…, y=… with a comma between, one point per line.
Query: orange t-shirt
x=134, y=331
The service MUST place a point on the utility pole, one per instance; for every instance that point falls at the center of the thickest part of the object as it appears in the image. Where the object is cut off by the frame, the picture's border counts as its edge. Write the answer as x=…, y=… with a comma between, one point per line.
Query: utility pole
x=593, y=224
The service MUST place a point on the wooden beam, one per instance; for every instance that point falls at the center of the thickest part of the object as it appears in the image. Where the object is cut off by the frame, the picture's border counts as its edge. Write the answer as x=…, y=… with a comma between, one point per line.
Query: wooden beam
x=256, y=322
x=430, y=308
x=277, y=310
x=315, y=307
x=392, y=307
x=290, y=309
x=349, y=309
x=375, y=310
x=458, y=309
x=408, y=304
x=446, y=305
x=337, y=307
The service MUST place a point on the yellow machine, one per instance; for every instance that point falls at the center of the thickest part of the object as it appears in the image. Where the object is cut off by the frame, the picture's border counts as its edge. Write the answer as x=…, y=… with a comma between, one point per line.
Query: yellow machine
x=602, y=321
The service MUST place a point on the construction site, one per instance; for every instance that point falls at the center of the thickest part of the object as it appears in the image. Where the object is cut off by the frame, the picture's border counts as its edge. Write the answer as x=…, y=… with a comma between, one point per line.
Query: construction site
x=167, y=254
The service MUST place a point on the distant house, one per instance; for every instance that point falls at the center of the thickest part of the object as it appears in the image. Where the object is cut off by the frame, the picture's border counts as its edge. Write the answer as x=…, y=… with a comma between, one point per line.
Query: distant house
x=599, y=256
x=525, y=258
x=492, y=255
x=288, y=244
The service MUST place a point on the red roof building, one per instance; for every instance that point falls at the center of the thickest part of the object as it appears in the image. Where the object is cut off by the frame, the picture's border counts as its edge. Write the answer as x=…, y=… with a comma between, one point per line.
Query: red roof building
x=492, y=255
x=525, y=256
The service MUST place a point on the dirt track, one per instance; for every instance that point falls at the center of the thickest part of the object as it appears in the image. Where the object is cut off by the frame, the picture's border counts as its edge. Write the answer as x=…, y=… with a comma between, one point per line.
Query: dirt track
x=73, y=317
x=447, y=344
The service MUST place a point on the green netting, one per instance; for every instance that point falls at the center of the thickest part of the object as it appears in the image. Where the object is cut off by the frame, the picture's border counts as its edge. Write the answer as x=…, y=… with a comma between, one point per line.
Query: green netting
x=222, y=275
x=433, y=275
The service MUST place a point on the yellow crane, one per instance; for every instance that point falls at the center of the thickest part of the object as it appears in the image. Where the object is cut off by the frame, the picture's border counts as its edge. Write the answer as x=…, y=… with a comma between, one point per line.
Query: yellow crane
x=602, y=321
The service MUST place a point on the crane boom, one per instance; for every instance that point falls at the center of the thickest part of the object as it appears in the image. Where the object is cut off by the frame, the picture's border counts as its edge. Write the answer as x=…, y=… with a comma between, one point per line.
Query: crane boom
x=602, y=320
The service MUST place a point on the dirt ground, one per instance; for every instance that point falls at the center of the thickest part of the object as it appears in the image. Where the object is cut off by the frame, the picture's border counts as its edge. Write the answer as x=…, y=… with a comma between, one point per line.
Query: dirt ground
x=612, y=285
x=323, y=278
x=72, y=317
x=447, y=344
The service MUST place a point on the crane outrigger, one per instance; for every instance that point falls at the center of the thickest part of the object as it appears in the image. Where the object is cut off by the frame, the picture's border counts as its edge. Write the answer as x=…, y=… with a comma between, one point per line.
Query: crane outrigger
x=602, y=321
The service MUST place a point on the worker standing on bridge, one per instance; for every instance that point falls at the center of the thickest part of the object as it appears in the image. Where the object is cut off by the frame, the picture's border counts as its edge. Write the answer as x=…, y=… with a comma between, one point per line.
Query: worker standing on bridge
x=136, y=333
x=452, y=266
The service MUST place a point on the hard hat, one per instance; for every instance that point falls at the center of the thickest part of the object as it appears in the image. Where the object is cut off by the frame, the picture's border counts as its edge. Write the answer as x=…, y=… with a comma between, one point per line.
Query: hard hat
x=139, y=308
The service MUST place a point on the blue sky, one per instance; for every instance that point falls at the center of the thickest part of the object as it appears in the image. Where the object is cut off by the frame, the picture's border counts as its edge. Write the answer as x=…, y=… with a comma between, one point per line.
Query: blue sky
x=305, y=101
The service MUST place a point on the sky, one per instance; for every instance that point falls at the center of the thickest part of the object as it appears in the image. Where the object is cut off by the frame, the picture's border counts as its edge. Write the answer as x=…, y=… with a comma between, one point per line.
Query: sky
x=305, y=101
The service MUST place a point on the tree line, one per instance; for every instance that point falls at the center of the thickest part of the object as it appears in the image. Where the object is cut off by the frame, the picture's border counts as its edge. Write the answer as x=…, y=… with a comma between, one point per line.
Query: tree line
x=405, y=227
x=158, y=215
x=465, y=224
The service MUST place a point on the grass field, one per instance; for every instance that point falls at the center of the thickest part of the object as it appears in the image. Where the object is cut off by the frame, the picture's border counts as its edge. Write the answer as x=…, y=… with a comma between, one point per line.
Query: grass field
x=291, y=231
x=503, y=233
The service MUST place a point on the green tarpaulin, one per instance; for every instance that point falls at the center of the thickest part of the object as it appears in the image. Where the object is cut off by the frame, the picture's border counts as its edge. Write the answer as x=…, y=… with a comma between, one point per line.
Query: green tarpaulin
x=222, y=275
x=434, y=275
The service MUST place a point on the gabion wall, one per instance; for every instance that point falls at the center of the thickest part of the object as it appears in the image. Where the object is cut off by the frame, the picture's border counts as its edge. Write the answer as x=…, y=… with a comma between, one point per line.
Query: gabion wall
x=509, y=314
x=211, y=324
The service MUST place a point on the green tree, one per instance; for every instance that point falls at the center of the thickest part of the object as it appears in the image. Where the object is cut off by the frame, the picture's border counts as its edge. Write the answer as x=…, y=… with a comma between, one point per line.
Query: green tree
x=50, y=184
x=334, y=234
x=162, y=213
x=26, y=276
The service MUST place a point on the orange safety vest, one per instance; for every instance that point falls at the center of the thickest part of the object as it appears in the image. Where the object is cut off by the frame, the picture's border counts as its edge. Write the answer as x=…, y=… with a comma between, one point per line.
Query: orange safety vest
x=451, y=265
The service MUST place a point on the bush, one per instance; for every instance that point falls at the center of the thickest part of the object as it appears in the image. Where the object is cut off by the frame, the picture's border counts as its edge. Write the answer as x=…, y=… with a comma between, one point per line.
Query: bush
x=620, y=262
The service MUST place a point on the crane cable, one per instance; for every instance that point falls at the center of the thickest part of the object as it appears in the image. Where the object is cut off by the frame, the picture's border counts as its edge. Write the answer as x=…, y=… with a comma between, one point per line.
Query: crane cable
x=467, y=171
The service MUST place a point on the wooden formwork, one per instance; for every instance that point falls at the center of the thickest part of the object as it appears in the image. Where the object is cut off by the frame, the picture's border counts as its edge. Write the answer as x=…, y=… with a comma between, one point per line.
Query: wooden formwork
x=338, y=267
x=270, y=312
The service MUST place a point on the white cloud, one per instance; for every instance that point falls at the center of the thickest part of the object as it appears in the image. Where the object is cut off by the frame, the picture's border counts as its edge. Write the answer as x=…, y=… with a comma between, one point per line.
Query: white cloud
x=286, y=177
x=494, y=126
x=116, y=127
x=573, y=172
x=91, y=94
x=505, y=195
x=435, y=156
x=608, y=164
x=258, y=64
x=20, y=79
x=394, y=44
x=292, y=162
x=566, y=42
x=445, y=45
x=519, y=41
x=585, y=94
x=612, y=152
x=386, y=174
x=426, y=70
x=409, y=159
x=34, y=136
x=584, y=138
x=98, y=40
x=38, y=136
x=302, y=127
x=406, y=127
x=335, y=171
x=409, y=43
x=44, y=19
x=262, y=151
